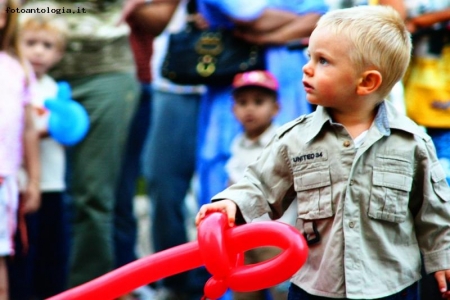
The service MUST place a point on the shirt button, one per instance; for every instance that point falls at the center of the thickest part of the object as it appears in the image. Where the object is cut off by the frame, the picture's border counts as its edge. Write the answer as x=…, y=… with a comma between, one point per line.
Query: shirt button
x=351, y=224
x=347, y=143
x=351, y=182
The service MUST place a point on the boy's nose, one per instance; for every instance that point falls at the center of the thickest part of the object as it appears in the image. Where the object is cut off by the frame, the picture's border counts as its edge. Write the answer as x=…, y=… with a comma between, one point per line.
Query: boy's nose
x=38, y=49
x=307, y=69
x=250, y=107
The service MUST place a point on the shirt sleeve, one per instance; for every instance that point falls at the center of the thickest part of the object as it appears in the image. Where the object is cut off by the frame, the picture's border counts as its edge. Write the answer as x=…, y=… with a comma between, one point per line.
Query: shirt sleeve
x=264, y=186
x=433, y=218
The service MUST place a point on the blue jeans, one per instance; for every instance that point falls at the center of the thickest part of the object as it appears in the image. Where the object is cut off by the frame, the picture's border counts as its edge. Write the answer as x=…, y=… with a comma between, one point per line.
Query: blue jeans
x=410, y=293
x=125, y=224
x=169, y=160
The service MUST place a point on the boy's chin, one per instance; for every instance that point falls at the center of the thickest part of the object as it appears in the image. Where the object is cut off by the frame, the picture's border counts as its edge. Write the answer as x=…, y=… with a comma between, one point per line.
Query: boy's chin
x=312, y=100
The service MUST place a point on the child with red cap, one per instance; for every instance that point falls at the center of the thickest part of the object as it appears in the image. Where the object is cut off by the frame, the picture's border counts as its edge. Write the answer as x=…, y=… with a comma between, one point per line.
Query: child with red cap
x=255, y=95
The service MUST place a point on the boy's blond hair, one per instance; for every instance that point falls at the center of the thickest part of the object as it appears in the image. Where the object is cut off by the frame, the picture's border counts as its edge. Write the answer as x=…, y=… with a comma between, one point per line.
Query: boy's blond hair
x=379, y=37
x=48, y=22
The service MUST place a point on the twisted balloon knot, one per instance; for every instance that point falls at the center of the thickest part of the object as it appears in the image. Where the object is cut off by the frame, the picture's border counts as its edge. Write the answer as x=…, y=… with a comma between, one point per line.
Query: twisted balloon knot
x=222, y=249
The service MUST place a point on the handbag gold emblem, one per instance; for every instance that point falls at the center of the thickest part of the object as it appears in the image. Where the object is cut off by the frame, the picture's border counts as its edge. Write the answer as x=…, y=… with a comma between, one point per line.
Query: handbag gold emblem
x=208, y=46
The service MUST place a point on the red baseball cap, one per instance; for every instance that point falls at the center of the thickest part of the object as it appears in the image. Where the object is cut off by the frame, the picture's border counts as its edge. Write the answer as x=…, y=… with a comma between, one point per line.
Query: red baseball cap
x=259, y=78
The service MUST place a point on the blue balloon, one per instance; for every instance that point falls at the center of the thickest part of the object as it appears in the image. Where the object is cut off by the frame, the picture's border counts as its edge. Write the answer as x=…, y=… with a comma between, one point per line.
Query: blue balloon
x=68, y=122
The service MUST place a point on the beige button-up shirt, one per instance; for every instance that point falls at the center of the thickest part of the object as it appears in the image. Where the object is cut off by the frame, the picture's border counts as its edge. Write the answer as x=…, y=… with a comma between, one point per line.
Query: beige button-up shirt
x=244, y=151
x=375, y=207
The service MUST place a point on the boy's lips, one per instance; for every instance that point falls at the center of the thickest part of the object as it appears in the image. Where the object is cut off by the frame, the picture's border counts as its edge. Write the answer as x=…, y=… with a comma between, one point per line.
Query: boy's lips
x=249, y=119
x=307, y=86
x=36, y=64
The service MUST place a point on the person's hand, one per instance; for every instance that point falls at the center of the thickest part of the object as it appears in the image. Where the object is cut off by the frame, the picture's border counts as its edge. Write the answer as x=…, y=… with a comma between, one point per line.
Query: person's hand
x=442, y=277
x=224, y=206
x=31, y=198
x=198, y=20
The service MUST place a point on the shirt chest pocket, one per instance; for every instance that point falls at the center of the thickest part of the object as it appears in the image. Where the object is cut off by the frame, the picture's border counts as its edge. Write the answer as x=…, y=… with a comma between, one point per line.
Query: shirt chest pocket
x=313, y=189
x=390, y=195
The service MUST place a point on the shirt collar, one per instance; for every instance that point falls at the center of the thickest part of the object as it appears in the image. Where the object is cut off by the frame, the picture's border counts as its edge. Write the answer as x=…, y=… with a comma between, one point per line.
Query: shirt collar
x=319, y=118
x=382, y=120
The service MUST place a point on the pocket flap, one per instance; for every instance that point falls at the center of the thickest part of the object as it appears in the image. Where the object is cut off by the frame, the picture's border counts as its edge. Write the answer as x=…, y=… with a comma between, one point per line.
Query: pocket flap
x=437, y=173
x=439, y=182
x=313, y=179
x=392, y=180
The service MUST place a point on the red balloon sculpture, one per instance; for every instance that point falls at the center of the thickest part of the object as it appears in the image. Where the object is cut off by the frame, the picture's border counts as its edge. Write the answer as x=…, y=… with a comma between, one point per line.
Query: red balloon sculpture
x=220, y=249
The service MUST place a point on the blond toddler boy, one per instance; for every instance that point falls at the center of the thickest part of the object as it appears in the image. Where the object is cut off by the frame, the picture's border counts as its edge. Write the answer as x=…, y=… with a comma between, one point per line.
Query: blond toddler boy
x=371, y=193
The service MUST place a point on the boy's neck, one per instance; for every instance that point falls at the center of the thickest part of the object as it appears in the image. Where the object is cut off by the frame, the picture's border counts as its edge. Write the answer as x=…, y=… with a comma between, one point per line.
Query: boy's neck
x=355, y=122
x=255, y=134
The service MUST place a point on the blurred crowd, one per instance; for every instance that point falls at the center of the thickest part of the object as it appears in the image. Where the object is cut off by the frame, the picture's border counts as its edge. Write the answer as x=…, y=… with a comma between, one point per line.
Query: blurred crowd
x=67, y=210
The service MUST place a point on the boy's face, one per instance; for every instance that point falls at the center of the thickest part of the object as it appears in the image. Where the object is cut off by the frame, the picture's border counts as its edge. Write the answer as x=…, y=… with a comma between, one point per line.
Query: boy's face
x=330, y=77
x=254, y=108
x=41, y=48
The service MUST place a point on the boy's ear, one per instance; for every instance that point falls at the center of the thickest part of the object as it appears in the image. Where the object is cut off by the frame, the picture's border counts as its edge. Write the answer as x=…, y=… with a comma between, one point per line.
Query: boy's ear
x=369, y=82
x=276, y=107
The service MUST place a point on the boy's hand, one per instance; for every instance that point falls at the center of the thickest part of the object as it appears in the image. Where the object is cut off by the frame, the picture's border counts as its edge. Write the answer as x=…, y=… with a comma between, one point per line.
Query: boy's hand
x=226, y=206
x=442, y=277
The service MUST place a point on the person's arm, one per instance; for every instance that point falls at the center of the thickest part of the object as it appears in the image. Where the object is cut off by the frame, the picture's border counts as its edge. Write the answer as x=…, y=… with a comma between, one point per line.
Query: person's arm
x=429, y=19
x=290, y=27
x=149, y=17
x=270, y=19
x=32, y=197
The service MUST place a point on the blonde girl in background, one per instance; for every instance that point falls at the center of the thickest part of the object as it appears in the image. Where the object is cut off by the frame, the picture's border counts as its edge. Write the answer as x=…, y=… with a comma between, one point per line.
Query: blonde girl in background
x=40, y=267
x=18, y=138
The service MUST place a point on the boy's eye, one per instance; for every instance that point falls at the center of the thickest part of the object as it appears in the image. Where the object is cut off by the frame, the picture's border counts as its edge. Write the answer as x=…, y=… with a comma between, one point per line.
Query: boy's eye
x=48, y=45
x=259, y=101
x=240, y=102
x=323, y=61
x=30, y=42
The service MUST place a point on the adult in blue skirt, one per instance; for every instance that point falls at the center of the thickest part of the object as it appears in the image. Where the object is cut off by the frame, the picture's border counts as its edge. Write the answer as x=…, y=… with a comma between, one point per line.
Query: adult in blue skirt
x=275, y=23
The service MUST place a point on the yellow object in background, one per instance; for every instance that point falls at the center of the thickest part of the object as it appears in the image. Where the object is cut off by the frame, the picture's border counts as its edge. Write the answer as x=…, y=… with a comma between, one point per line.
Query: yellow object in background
x=427, y=90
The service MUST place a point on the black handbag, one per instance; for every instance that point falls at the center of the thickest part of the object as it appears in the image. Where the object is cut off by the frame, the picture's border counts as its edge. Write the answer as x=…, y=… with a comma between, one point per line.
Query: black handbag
x=210, y=57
